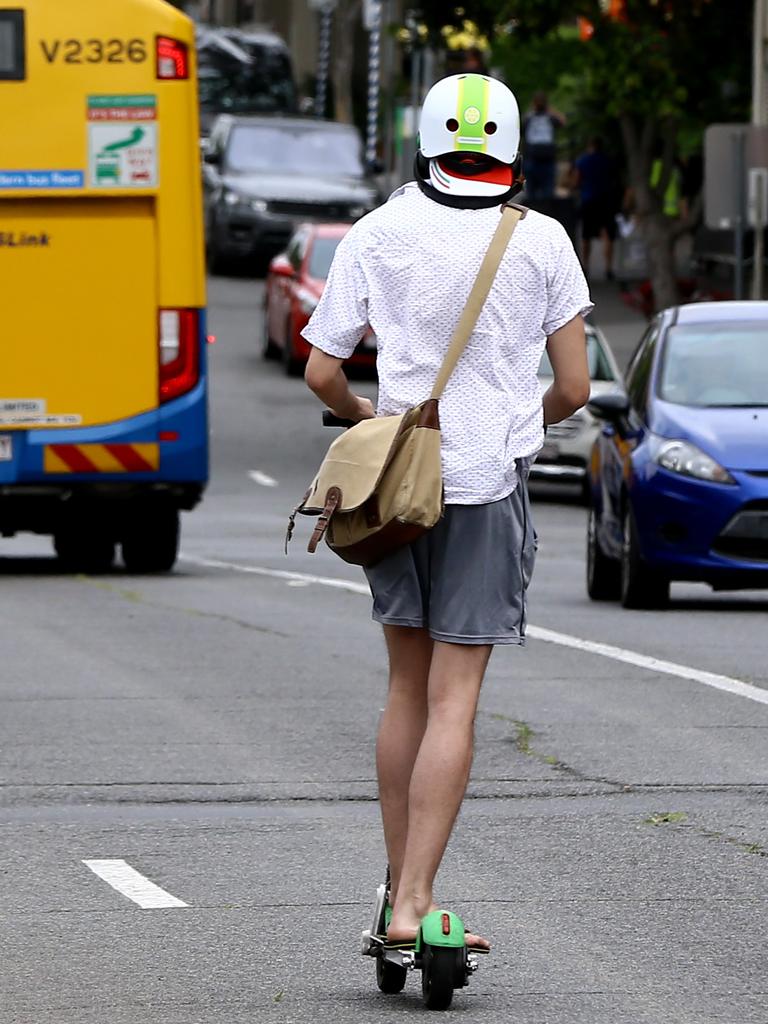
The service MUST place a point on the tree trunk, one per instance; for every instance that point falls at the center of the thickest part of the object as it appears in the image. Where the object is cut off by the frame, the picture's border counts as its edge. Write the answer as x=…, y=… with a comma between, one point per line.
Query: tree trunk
x=659, y=235
x=346, y=17
x=657, y=230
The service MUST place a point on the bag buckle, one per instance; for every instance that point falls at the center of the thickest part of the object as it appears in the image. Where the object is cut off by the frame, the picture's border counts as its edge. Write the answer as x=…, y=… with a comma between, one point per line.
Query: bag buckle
x=332, y=501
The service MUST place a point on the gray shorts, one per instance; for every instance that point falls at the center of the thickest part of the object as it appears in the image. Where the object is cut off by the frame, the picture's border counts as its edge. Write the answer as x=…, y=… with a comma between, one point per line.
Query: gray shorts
x=465, y=580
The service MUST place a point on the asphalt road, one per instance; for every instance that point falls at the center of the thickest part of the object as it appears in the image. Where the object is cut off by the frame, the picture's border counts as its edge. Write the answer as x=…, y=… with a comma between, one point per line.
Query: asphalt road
x=213, y=729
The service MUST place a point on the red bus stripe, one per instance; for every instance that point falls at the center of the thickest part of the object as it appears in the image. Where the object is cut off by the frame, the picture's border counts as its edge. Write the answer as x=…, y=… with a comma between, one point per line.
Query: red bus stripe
x=74, y=458
x=130, y=458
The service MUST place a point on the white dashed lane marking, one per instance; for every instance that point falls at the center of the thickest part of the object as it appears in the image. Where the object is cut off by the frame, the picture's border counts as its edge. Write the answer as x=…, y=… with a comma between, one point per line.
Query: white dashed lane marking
x=670, y=668
x=261, y=478
x=131, y=883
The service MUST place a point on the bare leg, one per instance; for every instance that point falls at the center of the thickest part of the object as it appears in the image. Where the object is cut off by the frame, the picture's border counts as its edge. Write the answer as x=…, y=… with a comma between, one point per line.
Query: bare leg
x=401, y=731
x=439, y=778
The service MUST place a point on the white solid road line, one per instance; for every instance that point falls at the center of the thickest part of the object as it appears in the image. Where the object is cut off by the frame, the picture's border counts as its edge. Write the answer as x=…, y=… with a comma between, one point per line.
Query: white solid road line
x=129, y=882
x=670, y=668
x=261, y=478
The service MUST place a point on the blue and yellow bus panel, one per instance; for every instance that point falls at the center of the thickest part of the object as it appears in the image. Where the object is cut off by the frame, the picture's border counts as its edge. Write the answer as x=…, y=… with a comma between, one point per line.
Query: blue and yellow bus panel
x=103, y=406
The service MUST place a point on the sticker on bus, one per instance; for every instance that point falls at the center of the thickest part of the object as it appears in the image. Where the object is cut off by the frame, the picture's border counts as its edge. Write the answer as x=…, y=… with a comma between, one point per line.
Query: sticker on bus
x=42, y=179
x=122, y=155
x=122, y=108
x=32, y=412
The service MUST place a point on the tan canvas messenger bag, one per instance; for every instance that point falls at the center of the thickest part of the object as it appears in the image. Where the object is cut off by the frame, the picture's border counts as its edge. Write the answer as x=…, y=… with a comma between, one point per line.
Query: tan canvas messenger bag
x=380, y=485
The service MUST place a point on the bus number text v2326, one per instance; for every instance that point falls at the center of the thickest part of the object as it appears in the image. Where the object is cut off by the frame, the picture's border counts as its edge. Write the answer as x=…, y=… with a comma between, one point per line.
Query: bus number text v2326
x=94, y=51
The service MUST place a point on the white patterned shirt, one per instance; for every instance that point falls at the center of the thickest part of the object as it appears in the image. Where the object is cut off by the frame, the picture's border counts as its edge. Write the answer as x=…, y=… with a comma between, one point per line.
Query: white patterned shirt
x=407, y=269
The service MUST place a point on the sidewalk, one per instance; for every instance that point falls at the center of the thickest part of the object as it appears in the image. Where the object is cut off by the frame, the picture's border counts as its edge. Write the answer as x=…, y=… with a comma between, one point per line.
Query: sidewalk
x=621, y=325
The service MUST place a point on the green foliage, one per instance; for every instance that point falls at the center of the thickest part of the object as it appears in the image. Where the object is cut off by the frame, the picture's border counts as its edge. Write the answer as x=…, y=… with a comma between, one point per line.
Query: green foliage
x=436, y=14
x=670, y=60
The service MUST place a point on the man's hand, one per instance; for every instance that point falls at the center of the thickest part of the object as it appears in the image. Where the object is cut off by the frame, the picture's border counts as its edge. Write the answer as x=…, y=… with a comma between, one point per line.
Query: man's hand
x=326, y=378
x=364, y=410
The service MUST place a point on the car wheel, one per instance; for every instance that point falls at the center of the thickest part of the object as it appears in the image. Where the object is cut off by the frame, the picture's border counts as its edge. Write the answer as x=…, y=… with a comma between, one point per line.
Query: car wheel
x=293, y=367
x=603, y=573
x=641, y=587
x=214, y=259
x=268, y=348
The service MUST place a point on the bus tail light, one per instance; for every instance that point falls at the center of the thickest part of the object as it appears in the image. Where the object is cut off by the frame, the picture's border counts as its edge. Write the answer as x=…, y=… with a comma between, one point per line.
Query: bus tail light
x=178, y=352
x=172, y=59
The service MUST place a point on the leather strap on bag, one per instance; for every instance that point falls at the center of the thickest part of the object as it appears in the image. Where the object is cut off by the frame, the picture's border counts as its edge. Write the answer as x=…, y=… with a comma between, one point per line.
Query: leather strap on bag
x=485, y=277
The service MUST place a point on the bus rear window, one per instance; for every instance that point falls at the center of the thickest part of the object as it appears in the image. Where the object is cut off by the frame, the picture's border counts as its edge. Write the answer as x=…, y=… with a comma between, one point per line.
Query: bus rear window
x=12, y=46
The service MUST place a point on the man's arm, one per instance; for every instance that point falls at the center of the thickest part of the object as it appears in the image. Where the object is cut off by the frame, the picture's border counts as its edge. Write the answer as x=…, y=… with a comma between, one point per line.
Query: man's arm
x=326, y=378
x=567, y=351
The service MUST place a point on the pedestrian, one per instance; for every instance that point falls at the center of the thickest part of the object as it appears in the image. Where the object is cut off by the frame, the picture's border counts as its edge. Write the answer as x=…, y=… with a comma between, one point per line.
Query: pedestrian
x=540, y=126
x=446, y=599
x=594, y=177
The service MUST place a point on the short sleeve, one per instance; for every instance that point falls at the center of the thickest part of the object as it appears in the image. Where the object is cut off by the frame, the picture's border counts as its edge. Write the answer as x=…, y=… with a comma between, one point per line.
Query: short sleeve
x=567, y=288
x=341, y=317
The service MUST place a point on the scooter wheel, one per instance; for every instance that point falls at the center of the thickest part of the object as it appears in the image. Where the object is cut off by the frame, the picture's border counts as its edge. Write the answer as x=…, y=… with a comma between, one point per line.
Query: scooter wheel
x=390, y=977
x=438, y=974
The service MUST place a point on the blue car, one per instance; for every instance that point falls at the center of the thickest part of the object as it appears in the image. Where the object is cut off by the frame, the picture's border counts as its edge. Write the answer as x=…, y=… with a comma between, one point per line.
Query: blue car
x=679, y=472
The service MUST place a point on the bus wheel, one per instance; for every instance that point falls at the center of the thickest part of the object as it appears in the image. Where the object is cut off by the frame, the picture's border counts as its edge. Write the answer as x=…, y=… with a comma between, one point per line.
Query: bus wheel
x=150, y=542
x=85, y=549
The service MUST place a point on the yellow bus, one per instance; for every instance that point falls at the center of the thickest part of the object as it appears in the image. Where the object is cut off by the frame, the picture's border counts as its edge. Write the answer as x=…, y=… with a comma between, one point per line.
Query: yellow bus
x=103, y=406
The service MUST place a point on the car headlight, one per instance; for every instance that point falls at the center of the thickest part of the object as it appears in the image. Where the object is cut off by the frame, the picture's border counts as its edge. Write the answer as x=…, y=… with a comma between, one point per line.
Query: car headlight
x=232, y=198
x=688, y=460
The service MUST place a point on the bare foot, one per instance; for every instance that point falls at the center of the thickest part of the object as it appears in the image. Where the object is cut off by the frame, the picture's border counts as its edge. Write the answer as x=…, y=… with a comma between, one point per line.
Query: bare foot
x=404, y=926
x=404, y=931
x=476, y=941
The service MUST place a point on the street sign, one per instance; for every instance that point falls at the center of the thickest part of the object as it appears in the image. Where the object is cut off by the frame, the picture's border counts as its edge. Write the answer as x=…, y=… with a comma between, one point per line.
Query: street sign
x=726, y=146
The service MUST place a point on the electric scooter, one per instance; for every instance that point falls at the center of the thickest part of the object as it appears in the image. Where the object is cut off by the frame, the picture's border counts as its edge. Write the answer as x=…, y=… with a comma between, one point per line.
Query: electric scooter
x=440, y=952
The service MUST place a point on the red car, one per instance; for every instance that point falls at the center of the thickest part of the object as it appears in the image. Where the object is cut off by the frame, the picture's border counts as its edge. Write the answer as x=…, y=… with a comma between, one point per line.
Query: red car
x=294, y=284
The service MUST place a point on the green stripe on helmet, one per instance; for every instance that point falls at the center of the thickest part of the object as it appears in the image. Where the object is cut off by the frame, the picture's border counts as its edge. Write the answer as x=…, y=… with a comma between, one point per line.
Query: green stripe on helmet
x=472, y=114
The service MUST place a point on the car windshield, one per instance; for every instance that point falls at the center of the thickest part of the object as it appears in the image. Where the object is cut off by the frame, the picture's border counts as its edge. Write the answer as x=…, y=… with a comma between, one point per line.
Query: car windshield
x=716, y=365
x=321, y=256
x=229, y=86
x=282, y=150
x=599, y=367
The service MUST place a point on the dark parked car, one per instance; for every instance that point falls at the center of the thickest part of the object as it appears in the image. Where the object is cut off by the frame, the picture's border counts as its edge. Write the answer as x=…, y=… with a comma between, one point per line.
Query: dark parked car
x=679, y=473
x=266, y=175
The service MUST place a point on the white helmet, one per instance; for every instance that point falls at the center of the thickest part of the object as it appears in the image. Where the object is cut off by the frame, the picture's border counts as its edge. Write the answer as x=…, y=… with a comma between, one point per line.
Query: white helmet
x=469, y=137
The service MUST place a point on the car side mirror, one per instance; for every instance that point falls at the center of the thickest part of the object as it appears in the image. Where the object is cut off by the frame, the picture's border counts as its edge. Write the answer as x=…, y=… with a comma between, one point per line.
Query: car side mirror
x=281, y=266
x=210, y=156
x=612, y=407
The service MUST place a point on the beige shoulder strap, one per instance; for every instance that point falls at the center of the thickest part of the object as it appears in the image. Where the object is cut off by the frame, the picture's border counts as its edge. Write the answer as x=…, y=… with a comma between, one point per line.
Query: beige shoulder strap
x=478, y=295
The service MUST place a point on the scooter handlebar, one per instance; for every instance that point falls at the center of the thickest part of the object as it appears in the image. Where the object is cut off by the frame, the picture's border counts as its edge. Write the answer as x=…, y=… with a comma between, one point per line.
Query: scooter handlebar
x=331, y=420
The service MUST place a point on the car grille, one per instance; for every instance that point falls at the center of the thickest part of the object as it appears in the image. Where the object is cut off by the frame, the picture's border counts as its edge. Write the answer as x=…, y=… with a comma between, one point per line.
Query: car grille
x=570, y=427
x=746, y=535
x=317, y=211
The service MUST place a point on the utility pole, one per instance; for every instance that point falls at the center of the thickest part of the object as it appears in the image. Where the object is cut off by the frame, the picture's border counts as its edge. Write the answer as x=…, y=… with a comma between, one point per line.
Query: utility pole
x=372, y=17
x=759, y=117
x=325, y=9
